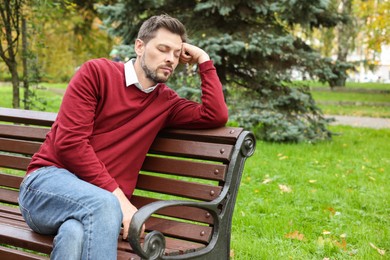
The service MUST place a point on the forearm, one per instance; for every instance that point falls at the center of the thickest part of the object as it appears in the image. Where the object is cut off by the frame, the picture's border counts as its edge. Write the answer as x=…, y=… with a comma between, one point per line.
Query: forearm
x=211, y=112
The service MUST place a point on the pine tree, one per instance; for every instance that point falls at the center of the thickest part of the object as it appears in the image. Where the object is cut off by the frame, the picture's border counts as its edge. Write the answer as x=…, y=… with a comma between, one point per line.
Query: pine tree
x=254, y=51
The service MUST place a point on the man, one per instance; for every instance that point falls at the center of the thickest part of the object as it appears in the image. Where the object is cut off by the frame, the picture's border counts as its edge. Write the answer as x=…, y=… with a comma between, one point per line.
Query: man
x=79, y=183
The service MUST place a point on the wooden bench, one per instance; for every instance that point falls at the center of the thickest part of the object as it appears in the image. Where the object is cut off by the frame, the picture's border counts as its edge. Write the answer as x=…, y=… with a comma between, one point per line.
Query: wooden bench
x=186, y=191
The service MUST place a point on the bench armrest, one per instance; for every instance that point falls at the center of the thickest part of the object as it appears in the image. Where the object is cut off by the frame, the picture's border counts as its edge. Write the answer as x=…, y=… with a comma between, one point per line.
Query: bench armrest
x=154, y=242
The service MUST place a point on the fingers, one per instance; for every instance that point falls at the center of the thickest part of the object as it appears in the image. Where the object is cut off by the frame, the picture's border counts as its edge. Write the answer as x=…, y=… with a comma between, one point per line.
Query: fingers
x=125, y=230
x=185, y=56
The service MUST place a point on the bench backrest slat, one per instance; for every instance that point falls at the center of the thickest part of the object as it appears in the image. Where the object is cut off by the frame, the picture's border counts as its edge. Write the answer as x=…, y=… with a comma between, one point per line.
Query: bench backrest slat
x=204, y=170
x=19, y=146
x=23, y=132
x=14, y=161
x=9, y=196
x=193, y=232
x=180, y=188
x=183, y=212
x=29, y=117
x=200, y=150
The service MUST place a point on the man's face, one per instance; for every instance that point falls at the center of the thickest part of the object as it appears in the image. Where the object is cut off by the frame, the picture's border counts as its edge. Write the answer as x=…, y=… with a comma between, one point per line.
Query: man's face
x=160, y=56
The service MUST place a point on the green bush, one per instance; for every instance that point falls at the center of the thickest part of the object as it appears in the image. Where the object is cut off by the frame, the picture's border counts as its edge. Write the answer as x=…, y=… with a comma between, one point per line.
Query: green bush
x=291, y=116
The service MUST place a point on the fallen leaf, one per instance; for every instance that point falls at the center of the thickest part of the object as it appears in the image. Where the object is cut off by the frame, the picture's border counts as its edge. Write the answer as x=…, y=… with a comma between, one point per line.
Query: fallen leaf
x=267, y=180
x=332, y=211
x=231, y=253
x=295, y=235
x=342, y=244
x=312, y=181
x=326, y=232
x=285, y=188
x=380, y=251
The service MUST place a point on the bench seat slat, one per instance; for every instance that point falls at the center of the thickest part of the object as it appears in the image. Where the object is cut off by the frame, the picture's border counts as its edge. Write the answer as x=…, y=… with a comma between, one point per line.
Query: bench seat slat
x=11, y=254
x=185, y=168
x=178, y=188
x=25, y=238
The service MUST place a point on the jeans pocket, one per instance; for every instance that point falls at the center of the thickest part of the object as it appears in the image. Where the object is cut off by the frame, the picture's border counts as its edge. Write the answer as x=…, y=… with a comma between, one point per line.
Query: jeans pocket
x=27, y=217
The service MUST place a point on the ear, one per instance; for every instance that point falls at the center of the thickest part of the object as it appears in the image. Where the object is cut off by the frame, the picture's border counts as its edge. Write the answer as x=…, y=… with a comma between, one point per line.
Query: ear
x=139, y=47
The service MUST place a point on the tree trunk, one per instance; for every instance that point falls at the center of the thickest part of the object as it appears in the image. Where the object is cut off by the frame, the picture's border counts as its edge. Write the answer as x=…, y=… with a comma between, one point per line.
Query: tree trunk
x=25, y=64
x=15, y=85
x=345, y=38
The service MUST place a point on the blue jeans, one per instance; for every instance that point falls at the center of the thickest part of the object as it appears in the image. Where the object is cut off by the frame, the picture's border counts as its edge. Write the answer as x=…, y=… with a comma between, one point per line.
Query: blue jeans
x=85, y=219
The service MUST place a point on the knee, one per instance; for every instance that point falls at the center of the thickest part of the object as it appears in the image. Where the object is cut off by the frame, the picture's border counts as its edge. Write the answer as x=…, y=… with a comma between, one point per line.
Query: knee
x=71, y=235
x=109, y=210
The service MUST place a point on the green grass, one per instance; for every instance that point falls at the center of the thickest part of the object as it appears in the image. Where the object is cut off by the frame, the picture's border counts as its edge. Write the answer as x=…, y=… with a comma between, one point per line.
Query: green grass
x=346, y=110
x=353, y=97
x=339, y=201
x=354, y=104
x=51, y=97
x=356, y=85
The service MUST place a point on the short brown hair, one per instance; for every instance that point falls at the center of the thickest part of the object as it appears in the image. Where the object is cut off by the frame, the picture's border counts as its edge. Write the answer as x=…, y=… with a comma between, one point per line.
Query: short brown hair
x=149, y=27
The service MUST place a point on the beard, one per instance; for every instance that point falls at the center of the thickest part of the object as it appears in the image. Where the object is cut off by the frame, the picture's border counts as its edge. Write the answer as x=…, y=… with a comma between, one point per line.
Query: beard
x=152, y=74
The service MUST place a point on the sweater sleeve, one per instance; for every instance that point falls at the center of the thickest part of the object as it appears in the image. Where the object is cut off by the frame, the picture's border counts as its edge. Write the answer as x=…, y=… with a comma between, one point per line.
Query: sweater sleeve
x=211, y=112
x=75, y=123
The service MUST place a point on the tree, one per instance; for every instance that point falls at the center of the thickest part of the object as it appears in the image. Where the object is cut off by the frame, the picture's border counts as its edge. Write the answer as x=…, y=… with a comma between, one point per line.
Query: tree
x=254, y=51
x=10, y=19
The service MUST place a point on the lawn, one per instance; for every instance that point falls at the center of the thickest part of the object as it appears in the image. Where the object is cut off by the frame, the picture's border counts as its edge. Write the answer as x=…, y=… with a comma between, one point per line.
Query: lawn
x=324, y=201
x=357, y=99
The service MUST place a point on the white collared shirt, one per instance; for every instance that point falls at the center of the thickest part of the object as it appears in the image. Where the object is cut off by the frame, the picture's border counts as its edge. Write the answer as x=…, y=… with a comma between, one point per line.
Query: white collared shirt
x=132, y=79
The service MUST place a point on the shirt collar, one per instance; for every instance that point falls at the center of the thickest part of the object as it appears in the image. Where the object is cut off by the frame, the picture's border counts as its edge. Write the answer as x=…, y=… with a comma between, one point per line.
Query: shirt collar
x=132, y=79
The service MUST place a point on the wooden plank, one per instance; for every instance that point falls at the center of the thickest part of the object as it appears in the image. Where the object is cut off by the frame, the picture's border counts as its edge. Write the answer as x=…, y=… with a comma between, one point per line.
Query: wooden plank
x=11, y=216
x=192, y=149
x=19, y=146
x=210, y=171
x=23, y=132
x=176, y=229
x=179, y=188
x=173, y=247
x=226, y=135
x=27, y=116
x=183, y=212
x=25, y=238
x=9, y=209
x=9, y=196
x=10, y=181
x=14, y=162
x=7, y=253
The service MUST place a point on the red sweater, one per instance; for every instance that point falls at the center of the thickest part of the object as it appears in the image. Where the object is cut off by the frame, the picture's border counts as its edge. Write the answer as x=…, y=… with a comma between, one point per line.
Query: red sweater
x=104, y=129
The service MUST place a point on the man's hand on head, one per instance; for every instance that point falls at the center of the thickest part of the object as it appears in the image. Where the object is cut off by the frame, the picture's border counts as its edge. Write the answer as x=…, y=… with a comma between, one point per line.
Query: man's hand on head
x=192, y=54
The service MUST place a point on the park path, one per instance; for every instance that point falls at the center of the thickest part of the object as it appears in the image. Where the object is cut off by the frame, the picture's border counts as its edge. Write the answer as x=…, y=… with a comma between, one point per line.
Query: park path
x=357, y=121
